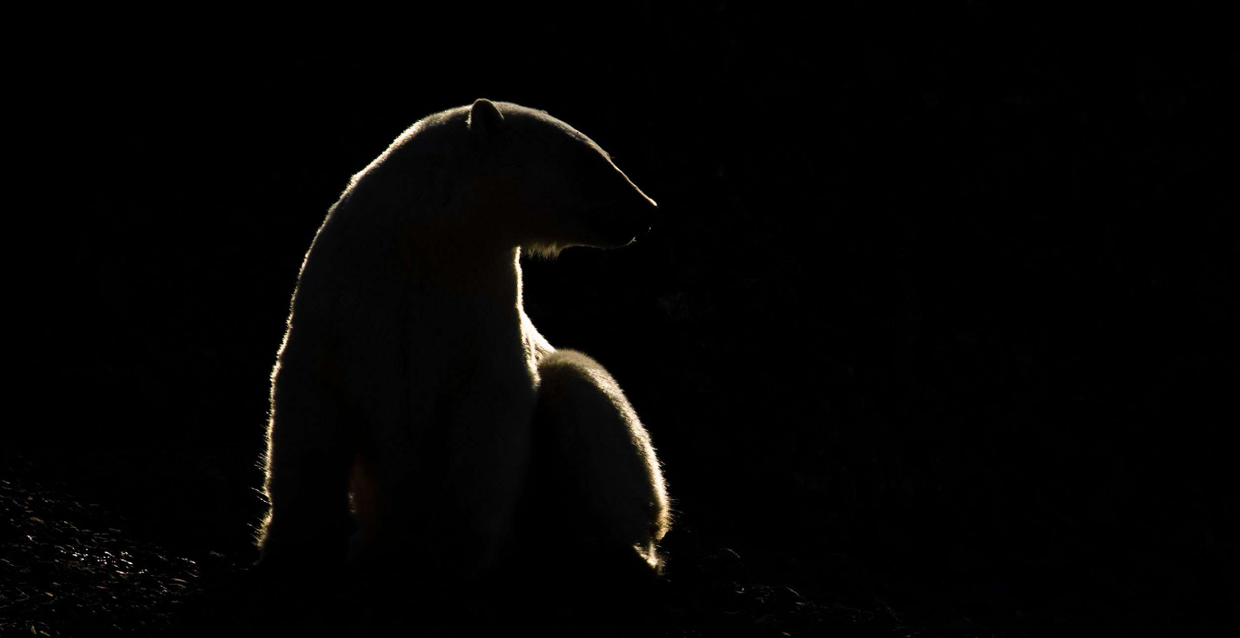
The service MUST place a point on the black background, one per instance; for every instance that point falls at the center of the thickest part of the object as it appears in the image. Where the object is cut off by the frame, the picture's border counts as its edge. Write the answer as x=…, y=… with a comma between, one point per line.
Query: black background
x=938, y=317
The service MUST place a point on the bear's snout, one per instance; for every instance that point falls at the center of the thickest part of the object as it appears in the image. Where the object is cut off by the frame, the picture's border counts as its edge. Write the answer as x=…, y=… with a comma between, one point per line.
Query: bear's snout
x=643, y=209
x=618, y=223
x=648, y=217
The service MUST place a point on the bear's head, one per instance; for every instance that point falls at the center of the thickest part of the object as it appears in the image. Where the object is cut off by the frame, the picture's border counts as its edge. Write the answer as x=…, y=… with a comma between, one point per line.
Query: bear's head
x=551, y=187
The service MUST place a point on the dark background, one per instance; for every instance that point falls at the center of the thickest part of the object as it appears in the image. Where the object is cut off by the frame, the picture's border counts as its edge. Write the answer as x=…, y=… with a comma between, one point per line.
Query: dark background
x=936, y=327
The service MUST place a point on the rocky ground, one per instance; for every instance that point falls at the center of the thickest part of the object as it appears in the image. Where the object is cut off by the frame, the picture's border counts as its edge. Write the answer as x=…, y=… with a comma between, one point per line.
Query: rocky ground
x=73, y=566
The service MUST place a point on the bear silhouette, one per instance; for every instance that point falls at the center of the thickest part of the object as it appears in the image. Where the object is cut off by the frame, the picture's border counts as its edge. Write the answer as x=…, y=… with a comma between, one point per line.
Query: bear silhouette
x=417, y=416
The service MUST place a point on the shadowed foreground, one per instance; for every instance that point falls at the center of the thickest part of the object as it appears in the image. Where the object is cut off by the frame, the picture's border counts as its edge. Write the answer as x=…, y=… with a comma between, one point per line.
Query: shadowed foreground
x=74, y=568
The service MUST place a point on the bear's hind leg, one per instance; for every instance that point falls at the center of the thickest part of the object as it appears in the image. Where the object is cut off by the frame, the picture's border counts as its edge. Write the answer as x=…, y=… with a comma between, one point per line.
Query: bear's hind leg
x=596, y=484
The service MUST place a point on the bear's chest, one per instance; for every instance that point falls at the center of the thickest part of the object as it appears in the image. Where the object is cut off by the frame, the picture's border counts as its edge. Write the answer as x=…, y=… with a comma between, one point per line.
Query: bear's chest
x=477, y=364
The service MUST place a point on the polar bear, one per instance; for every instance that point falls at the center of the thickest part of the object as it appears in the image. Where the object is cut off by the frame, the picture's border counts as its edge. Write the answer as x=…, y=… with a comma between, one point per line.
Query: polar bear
x=413, y=395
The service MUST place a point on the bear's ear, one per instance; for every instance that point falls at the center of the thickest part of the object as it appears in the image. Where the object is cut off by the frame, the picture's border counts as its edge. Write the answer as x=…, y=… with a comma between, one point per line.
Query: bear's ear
x=484, y=120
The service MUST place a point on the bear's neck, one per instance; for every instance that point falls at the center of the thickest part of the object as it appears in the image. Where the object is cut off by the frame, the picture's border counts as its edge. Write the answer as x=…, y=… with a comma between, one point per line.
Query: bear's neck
x=490, y=279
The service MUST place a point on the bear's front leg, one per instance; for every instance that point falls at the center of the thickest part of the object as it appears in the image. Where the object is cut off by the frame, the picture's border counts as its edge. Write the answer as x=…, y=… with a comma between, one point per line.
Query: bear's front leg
x=484, y=479
x=446, y=492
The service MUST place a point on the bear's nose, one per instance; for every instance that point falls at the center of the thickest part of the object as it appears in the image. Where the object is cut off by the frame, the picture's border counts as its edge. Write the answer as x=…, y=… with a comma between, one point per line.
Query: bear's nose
x=651, y=210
